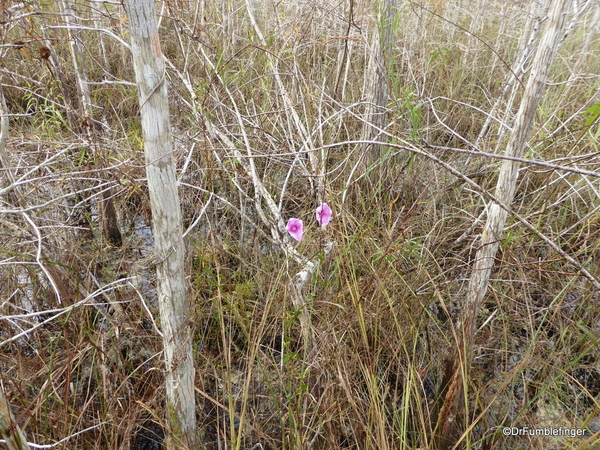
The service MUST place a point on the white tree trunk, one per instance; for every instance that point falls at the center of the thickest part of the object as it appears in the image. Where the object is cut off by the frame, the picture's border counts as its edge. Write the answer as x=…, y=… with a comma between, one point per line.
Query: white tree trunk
x=149, y=65
x=108, y=212
x=458, y=364
x=507, y=179
x=376, y=90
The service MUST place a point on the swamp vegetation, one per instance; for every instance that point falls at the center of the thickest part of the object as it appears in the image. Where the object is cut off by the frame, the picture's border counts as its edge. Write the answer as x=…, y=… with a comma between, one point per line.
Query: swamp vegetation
x=396, y=115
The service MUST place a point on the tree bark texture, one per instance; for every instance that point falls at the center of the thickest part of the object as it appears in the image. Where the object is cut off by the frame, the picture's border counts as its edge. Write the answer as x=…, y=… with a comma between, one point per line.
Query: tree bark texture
x=376, y=89
x=458, y=364
x=149, y=65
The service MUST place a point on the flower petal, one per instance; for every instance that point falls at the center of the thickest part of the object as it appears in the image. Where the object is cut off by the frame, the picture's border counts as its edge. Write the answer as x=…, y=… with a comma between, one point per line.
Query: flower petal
x=324, y=214
x=296, y=228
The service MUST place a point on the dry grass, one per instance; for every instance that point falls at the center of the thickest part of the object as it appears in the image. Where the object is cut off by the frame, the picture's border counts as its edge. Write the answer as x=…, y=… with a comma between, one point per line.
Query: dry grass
x=382, y=303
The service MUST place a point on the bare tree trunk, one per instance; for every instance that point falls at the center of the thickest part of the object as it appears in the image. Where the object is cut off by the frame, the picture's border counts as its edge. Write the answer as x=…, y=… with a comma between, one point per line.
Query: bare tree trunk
x=457, y=366
x=85, y=99
x=149, y=65
x=519, y=66
x=108, y=212
x=5, y=167
x=376, y=89
x=343, y=64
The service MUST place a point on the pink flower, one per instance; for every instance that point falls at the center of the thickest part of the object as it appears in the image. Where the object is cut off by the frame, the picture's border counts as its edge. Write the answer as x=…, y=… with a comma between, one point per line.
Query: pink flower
x=324, y=214
x=295, y=227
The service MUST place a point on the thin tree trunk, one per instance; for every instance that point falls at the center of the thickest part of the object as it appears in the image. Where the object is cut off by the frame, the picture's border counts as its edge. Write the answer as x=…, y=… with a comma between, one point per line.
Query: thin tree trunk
x=5, y=167
x=149, y=66
x=85, y=99
x=108, y=211
x=529, y=36
x=376, y=89
x=457, y=366
x=343, y=63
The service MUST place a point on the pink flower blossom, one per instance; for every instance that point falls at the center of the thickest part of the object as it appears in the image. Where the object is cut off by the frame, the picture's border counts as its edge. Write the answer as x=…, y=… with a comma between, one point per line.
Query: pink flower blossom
x=295, y=227
x=324, y=214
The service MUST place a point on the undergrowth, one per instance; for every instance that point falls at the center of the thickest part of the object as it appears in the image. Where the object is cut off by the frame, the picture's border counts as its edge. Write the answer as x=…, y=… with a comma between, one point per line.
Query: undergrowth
x=382, y=304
